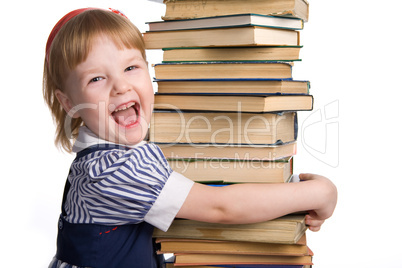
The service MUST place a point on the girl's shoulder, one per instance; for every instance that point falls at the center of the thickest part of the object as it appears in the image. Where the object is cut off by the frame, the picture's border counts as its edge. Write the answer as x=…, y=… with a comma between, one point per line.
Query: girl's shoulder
x=108, y=157
x=118, y=150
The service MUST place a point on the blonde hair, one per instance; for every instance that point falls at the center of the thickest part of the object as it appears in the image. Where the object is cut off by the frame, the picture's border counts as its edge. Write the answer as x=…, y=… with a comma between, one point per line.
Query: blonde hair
x=71, y=46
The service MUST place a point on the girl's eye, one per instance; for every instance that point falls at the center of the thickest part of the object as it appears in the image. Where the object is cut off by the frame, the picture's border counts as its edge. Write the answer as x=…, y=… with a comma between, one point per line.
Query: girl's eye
x=95, y=79
x=130, y=68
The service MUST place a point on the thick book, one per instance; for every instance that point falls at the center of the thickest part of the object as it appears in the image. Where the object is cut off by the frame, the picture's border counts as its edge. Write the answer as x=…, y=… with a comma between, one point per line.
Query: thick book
x=227, y=171
x=221, y=37
x=228, y=151
x=256, y=53
x=229, y=259
x=176, y=245
x=227, y=21
x=189, y=9
x=284, y=230
x=223, y=128
x=234, y=103
x=235, y=86
x=220, y=70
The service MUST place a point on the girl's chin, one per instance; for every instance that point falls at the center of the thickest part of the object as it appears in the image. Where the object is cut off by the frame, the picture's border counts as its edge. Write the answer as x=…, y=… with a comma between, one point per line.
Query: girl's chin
x=130, y=136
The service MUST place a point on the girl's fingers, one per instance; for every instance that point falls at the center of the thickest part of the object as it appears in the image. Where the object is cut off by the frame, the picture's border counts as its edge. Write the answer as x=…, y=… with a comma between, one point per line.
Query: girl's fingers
x=314, y=228
x=313, y=224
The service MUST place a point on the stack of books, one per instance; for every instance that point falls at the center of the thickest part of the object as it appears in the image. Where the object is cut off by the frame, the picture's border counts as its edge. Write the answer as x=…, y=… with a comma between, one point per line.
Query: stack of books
x=276, y=243
x=226, y=112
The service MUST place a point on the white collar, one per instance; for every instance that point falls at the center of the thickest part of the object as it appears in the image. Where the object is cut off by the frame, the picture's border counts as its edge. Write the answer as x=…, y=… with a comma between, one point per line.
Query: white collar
x=87, y=138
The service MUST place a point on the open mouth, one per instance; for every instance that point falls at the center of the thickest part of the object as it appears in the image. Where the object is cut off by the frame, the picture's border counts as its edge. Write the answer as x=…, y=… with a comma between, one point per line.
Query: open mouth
x=127, y=115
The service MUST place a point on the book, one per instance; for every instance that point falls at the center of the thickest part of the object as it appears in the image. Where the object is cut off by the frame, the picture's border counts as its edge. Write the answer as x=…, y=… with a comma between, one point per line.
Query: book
x=220, y=70
x=189, y=9
x=170, y=263
x=229, y=259
x=234, y=86
x=227, y=21
x=228, y=171
x=215, y=37
x=230, y=151
x=284, y=230
x=256, y=53
x=235, y=103
x=223, y=128
x=175, y=245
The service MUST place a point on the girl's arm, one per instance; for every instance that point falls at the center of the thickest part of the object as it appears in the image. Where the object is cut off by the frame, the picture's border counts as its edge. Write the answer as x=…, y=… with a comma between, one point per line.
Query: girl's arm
x=248, y=203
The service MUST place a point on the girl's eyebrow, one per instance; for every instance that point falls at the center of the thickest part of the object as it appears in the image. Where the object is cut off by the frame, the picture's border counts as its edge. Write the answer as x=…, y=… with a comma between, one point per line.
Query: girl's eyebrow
x=135, y=58
x=87, y=72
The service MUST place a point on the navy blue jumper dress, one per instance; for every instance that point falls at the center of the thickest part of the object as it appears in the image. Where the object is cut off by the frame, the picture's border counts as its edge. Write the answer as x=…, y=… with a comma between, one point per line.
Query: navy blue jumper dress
x=105, y=246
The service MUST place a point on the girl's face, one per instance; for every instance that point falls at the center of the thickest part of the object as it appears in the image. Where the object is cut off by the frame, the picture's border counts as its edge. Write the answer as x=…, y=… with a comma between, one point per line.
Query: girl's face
x=111, y=91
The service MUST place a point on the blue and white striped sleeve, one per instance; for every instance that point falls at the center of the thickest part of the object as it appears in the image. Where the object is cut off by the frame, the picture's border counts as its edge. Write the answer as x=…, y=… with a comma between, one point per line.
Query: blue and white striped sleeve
x=127, y=186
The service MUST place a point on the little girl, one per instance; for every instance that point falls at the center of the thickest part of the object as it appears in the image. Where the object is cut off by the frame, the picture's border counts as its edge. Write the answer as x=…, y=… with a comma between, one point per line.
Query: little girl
x=98, y=88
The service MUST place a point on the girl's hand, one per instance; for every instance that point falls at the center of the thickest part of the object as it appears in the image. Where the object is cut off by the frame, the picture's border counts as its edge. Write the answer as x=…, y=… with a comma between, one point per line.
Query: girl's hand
x=312, y=222
x=328, y=199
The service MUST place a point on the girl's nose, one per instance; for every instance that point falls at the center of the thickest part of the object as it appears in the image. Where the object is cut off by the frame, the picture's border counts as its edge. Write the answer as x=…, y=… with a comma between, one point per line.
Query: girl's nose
x=121, y=86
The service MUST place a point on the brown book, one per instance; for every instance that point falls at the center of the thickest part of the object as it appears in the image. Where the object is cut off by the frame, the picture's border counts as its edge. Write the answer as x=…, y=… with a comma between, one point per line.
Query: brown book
x=189, y=9
x=223, y=70
x=223, y=128
x=234, y=103
x=227, y=171
x=170, y=264
x=229, y=151
x=174, y=245
x=284, y=230
x=227, y=259
x=275, y=53
x=218, y=37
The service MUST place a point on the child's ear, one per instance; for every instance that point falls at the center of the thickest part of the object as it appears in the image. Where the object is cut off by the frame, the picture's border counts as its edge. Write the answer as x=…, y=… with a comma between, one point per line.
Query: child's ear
x=66, y=103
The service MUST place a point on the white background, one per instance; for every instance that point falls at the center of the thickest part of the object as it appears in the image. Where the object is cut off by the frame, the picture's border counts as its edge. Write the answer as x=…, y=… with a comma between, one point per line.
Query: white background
x=351, y=55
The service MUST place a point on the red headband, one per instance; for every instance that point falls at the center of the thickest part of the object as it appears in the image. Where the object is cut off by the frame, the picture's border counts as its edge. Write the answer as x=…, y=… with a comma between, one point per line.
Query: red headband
x=63, y=21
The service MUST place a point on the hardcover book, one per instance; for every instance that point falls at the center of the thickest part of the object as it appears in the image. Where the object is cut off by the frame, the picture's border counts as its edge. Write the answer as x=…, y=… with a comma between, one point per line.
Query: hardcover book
x=284, y=230
x=223, y=128
x=256, y=53
x=226, y=171
x=228, y=21
x=228, y=151
x=234, y=103
x=221, y=70
x=176, y=245
x=234, y=36
x=189, y=9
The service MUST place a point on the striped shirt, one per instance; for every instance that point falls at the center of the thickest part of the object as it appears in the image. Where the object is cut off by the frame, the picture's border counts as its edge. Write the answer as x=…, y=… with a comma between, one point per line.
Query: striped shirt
x=123, y=186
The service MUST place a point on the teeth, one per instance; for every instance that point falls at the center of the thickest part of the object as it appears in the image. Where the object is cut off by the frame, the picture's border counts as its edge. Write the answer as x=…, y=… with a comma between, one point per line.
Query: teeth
x=125, y=107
